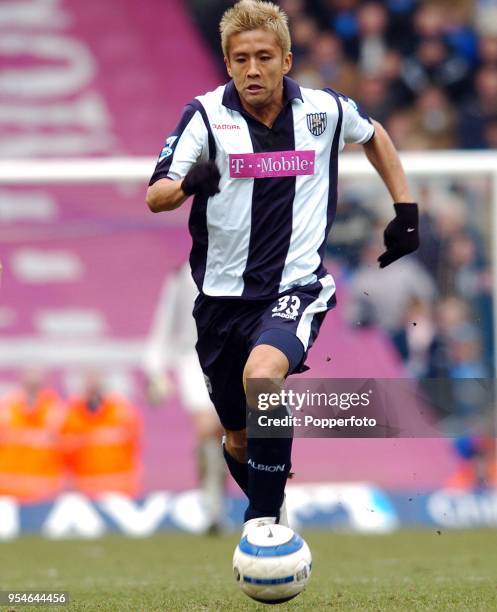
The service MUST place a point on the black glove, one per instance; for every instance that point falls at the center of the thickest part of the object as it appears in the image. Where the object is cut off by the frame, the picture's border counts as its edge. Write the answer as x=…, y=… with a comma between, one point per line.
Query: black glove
x=401, y=235
x=202, y=179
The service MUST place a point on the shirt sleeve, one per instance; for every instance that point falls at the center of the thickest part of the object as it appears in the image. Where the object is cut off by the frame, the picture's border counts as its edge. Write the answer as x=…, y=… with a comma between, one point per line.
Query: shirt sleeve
x=184, y=147
x=357, y=126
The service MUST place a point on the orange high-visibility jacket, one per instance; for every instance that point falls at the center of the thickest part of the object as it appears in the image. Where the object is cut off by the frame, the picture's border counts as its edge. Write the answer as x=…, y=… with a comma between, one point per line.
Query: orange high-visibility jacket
x=31, y=458
x=102, y=446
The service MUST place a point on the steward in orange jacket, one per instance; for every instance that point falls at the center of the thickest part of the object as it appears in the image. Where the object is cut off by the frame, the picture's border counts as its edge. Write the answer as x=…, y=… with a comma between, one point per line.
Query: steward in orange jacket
x=31, y=460
x=101, y=439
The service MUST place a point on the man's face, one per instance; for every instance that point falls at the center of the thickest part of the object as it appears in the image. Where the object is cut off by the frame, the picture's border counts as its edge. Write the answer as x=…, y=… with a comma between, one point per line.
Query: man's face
x=256, y=64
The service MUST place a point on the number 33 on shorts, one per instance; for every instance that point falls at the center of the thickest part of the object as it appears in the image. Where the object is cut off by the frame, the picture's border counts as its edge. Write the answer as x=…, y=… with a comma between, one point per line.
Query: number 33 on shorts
x=287, y=307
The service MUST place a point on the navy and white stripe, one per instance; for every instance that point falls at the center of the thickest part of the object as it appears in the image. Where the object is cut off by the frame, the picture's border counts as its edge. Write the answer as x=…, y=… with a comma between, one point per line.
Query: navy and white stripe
x=261, y=237
x=188, y=144
x=309, y=320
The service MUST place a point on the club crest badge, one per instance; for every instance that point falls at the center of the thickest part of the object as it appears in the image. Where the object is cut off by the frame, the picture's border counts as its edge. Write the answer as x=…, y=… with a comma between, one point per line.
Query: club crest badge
x=317, y=122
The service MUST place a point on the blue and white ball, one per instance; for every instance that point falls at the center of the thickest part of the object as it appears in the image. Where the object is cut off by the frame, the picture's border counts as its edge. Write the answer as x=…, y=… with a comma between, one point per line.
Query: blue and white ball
x=272, y=563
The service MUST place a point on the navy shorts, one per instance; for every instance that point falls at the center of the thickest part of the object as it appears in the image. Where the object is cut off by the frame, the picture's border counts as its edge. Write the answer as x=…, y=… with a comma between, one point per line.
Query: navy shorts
x=228, y=329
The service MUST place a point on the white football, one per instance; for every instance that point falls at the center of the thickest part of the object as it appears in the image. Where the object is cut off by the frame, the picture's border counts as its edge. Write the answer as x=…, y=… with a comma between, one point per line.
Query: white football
x=272, y=563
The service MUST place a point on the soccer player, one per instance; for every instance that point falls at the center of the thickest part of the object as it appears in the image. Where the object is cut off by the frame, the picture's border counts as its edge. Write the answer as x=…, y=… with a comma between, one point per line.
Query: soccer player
x=260, y=157
x=171, y=347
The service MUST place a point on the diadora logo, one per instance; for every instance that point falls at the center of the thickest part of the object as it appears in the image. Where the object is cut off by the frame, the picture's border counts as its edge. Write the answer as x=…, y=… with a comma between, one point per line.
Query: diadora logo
x=287, y=308
x=167, y=151
x=226, y=126
x=266, y=468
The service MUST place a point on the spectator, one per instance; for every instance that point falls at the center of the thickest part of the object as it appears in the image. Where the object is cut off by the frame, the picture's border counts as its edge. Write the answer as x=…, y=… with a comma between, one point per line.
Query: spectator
x=400, y=24
x=468, y=275
x=477, y=468
x=450, y=314
x=304, y=33
x=351, y=230
x=343, y=21
x=390, y=71
x=327, y=59
x=466, y=369
x=399, y=128
x=31, y=461
x=415, y=339
x=432, y=63
x=465, y=356
x=374, y=96
x=464, y=275
x=433, y=120
x=102, y=441
x=478, y=111
x=372, y=22
x=381, y=297
x=428, y=22
x=295, y=9
x=447, y=217
x=459, y=31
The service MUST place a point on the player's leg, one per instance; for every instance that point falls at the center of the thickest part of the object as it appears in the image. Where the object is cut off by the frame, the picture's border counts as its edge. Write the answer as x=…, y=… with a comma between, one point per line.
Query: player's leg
x=235, y=455
x=287, y=329
x=208, y=433
x=229, y=401
x=269, y=459
x=269, y=364
x=222, y=361
x=210, y=466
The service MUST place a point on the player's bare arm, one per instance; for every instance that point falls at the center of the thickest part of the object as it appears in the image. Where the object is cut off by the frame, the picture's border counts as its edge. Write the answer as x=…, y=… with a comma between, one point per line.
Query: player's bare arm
x=165, y=195
x=401, y=235
x=202, y=179
x=384, y=157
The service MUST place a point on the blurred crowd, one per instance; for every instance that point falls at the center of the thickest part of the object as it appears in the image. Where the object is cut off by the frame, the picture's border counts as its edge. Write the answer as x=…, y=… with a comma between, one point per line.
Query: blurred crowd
x=89, y=443
x=426, y=69
x=436, y=305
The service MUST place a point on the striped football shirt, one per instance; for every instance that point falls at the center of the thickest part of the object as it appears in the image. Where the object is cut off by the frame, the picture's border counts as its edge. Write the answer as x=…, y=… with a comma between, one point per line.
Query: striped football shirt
x=265, y=232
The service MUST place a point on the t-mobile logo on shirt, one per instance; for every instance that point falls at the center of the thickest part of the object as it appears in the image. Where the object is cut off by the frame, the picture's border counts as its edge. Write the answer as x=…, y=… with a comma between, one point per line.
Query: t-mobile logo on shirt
x=272, y=164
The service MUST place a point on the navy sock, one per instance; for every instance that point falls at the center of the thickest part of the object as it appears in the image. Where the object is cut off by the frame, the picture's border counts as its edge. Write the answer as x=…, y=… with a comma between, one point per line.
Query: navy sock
x=237, y=470
x=269, y=463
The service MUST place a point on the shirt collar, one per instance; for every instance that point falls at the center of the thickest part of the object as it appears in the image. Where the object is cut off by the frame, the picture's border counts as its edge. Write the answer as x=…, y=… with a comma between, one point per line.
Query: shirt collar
x=231, y=99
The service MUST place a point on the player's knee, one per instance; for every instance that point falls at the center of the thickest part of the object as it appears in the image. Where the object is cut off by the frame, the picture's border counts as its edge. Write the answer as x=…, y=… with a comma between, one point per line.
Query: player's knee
x=261, y=371
x=264, y=376
x=264, y=367
x=236, y=444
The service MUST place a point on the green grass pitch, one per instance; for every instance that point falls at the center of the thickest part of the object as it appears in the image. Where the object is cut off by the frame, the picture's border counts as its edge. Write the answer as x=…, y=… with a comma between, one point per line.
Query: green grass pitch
x=408, y=570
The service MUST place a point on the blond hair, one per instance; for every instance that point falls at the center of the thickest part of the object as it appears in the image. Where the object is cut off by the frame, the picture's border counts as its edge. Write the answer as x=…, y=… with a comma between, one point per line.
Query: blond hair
x=249, y=15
